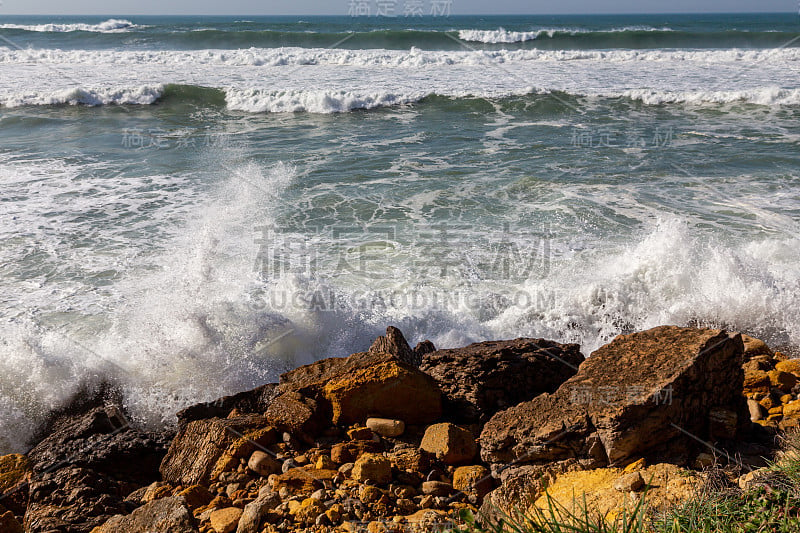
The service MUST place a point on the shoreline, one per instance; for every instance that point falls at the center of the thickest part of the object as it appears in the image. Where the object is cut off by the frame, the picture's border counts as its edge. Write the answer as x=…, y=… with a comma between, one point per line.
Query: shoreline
x=407, y=438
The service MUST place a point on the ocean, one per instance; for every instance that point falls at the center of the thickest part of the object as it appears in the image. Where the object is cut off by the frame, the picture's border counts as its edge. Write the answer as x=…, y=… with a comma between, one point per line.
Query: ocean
x=192, y=205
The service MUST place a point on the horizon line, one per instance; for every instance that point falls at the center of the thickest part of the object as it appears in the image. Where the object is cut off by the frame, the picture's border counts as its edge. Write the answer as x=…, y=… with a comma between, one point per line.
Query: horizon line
x=398, y=16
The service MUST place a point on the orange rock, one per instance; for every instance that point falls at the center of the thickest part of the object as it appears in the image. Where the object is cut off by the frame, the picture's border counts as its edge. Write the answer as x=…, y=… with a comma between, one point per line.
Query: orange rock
x=450, y=443
x=790, y=365
x=389, y=389
x=373, y=466
x=225, y=520
x=782, y=380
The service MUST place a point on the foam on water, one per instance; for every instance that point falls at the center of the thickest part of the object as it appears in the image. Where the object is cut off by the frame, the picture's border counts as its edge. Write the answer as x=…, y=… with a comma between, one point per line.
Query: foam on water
x=195, y=319
x=501, y=35
x=107, y=26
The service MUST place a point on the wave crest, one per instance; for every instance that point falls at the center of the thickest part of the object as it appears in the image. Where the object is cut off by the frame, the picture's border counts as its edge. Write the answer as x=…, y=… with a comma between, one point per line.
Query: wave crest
x=107, y=26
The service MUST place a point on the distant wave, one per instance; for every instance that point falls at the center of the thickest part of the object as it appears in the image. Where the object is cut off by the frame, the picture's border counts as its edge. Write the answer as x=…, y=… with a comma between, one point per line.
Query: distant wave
x=108, y=26
x=256, y=100
x=503, y=36
x=252, y=35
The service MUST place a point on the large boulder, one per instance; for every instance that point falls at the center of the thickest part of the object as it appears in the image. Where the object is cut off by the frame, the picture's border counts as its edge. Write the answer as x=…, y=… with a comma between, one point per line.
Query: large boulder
x=84, y=469
x=166, y=515
x=254, y=401
x=204, y=448
x=351, y=389
x=486, y=377
x=659, y=393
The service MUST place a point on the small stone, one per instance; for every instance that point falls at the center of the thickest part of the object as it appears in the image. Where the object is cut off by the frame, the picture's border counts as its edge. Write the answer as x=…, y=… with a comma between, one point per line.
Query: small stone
x=324, y=462
x=472, y=479
x=372, y=466
x=225, y=520
x=450, y=443
x=782, y=380
x=369, y=494
x=341, y=454
x=703, y=460
x=196, y=496
x=309, y=510
x=319, y=495
x=634, y=466
x=386, y=427
x=264, y=464
x=437, y=488
x=426, y=502
x=346, y=469
x=756, y=411
x=629, y=482
x=301, y=459
x=255, y=511
x=406, y=506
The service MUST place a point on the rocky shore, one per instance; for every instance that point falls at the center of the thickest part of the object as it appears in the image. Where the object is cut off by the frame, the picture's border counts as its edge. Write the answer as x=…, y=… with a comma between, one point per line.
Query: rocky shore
x=402, y=439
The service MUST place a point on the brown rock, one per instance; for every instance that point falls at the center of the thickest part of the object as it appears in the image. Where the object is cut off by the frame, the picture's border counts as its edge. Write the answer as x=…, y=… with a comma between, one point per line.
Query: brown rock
x=620, y=403
x=791, y=366
x=629, y=482
x=472, y=479
x=754, y=347
x=297, y=414
x=792, y=409
x=79, y=465
x=303, y=480
x=15, y=469
x=436, y=488
x=309, y=510
x=341, y=454
x=411, y=459
x=486, y=377
x=199, y=445
x=449, y=443
x=782, y=380
x=369, y=494
x=386, y=427
x=253, y=401
x=755, y=379
x=373, y=467
x=196, y=496
x=394, y=343
x=167, y=515
x=225, y=520
x=9, y=524
x=264, y=464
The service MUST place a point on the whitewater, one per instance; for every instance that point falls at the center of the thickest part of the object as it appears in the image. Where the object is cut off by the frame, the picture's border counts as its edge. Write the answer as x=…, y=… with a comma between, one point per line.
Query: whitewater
x=191, y=206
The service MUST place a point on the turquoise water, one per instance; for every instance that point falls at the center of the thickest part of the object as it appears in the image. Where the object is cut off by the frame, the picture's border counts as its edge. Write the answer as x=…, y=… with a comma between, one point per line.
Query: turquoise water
x=188, y=213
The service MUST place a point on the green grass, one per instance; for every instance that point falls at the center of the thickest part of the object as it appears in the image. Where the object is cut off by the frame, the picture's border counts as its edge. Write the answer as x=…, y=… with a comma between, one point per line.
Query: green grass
x=772, y=505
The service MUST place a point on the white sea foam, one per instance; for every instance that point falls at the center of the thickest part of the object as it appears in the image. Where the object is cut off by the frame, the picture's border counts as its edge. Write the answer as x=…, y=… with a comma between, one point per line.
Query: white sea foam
x=503, y=36
x=143, y=95
x=768, y=96
x=258, y=101
x=413, y=58
x=108, y=26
